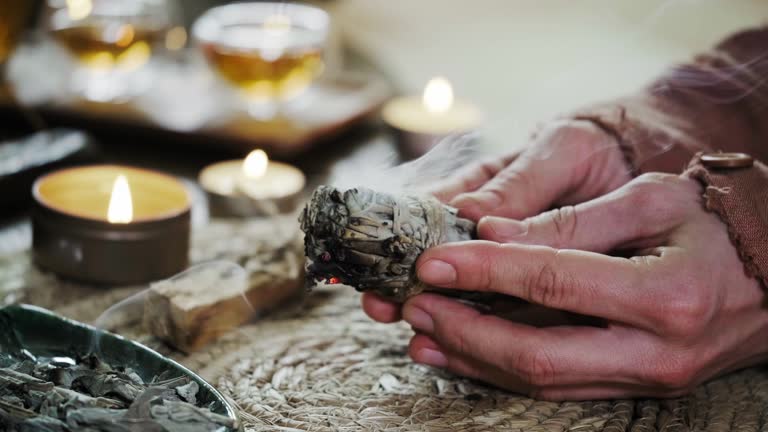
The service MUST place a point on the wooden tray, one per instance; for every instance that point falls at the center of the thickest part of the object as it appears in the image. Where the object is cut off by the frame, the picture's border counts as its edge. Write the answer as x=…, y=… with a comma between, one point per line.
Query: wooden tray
x=184, y=101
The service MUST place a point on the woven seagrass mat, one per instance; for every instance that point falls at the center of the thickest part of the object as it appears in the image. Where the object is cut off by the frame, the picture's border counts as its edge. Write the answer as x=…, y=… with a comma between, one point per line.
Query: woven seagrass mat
x=321, y=365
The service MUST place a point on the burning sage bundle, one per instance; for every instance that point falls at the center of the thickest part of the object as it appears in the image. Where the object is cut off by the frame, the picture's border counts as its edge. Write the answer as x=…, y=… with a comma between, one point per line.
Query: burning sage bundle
x=371, y=240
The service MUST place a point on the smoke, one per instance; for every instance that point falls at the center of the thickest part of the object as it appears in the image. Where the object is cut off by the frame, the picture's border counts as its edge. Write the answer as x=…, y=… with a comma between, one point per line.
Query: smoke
x=726, y=84
x=416, y=177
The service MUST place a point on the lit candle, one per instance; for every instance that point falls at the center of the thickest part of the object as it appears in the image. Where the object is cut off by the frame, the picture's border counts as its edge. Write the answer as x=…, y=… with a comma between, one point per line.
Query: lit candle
x=254, y=186
x=120, y=208
x=420, y=122
x=110, y=224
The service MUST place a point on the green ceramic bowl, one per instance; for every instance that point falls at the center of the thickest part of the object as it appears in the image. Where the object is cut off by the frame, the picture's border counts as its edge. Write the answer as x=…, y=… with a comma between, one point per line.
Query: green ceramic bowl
x=43, y=333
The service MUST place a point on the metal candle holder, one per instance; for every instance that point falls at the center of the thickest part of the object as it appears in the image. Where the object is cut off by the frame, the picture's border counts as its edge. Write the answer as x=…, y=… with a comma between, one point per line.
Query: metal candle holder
x=79, y=246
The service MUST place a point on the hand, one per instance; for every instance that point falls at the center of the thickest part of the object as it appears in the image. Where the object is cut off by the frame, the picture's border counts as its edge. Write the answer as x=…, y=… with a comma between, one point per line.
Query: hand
x=679, y=311
x=568, y=162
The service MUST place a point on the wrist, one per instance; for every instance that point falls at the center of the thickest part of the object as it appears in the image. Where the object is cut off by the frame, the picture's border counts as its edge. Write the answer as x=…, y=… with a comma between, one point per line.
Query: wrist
x=736, y=189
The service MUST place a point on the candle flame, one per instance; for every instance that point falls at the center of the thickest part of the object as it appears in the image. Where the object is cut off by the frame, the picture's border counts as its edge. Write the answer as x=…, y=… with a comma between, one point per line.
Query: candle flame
x=438, y=95
x=176, y=38
x=120, y=203
x=255, y=164
x=79, y=9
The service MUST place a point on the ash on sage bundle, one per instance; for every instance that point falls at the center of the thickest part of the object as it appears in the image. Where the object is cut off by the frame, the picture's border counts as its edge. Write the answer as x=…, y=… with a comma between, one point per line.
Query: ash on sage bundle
x=371, y=240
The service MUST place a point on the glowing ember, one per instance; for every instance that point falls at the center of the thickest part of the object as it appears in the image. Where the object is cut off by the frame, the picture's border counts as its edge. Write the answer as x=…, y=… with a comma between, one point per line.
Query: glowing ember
x=334, y=280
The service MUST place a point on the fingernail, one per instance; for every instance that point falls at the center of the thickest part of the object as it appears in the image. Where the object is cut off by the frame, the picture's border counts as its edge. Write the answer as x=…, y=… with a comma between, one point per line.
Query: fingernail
x=419, y=319
x=432, y=357
x=473, y=199
x=436, y=272
x=502, y=228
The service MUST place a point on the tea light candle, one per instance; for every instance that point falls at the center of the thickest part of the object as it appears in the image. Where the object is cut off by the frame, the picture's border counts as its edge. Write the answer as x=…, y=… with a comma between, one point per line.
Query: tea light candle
x=254, y=186
x=110, y=224
x=421, y=122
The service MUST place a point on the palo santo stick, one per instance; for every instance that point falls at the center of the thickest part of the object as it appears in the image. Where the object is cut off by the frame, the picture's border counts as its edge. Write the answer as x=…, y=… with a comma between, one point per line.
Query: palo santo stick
x=196, y=307
x=189, y=318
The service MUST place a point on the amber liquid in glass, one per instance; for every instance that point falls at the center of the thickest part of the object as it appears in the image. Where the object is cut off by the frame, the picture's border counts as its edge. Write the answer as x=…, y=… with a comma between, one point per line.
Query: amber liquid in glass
x=13, y=16
x=123, y=46
x=259, y=77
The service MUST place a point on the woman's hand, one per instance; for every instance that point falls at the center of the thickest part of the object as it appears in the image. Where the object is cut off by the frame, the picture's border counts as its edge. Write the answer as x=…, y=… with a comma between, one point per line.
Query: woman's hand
x=567, y=162
x=680, y=310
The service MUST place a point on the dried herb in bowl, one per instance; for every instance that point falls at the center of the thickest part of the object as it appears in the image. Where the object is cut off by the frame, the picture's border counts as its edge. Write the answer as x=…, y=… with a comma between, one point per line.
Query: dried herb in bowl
x=62, y=394
x=50, y=382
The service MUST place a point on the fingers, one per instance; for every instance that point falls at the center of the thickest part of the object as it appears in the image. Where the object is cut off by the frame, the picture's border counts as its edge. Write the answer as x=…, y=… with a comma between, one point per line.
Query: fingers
x=561, y=161
x=581, y=282
x=426, y=350
x=645, y=208
x=478, y=345
x=380, y=309
x=472, y=178
x=423, y=349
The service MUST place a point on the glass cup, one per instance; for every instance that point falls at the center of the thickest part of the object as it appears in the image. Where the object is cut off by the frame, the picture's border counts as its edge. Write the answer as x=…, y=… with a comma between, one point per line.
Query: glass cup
x=13, y=18
x=269, y=52
x=111, y=41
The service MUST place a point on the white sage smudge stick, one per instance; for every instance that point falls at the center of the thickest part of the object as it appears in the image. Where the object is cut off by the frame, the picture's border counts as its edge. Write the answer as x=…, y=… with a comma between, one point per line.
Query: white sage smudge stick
x=371, y=240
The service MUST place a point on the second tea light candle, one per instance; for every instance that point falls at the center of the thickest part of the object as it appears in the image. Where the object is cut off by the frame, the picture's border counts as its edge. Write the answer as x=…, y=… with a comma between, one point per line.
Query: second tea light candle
x=421, y=122
x=254, y=186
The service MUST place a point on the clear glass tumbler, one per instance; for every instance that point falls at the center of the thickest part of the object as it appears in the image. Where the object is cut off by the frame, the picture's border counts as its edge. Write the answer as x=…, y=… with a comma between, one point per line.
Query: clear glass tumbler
x=269, y=52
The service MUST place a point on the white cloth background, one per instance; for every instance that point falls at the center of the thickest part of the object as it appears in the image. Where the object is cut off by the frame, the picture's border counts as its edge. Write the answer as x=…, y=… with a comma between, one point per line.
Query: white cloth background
x=523, y=61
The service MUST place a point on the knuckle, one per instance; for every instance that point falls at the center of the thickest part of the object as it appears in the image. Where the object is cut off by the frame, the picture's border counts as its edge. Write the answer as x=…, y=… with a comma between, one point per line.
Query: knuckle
x=579, y=135
x=459, y=337
x=687, y=312
x=544, y=286
x=652, y=184
x=640, y=195
x=564, y=222
x=489, y=168
x=651, y=195
x=657, y=178
x=535, y=368
x=674, y=373
x=521, y=178
x=489, y=268
x=497, y=192
x=465, y=339
x=459, y=367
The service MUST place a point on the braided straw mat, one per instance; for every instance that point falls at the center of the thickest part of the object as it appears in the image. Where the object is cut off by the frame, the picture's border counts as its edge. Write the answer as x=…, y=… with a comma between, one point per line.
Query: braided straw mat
x=321, y=365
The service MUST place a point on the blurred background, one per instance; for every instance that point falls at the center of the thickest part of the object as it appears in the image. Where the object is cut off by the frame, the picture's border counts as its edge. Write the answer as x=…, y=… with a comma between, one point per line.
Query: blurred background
x=178, y=84
x=524, y=61
x=521, y=61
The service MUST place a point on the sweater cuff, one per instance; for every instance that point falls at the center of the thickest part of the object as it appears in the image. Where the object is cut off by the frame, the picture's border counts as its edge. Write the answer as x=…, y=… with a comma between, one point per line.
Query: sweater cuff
x=739, y=196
